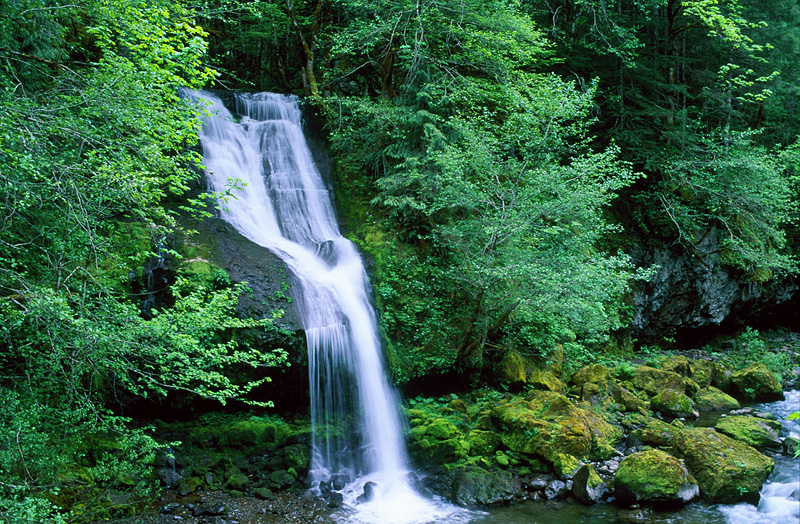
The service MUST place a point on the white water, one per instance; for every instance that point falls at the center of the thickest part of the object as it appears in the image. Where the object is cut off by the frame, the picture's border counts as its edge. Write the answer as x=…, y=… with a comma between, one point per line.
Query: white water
x=780, y=495
x=286, y=207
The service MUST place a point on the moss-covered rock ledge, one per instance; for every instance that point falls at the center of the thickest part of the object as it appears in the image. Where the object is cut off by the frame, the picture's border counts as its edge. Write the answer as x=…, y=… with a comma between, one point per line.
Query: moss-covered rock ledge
x=624, y=431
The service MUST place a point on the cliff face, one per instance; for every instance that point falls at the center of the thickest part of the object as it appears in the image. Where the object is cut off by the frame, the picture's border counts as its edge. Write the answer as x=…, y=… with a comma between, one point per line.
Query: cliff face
x=690, y=292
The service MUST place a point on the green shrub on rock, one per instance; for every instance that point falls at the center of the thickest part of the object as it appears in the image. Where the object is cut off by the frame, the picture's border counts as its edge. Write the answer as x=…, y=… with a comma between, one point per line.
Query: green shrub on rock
x=756, y=382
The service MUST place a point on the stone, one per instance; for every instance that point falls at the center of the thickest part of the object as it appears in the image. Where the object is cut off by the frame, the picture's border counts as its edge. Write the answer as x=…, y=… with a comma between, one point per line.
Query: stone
x=654, y=476
x=727, y=470
x=674, y=404
x=555, y=490
x=237, y=481
x=654, y=381
x=368, y=493
x=587, y=486
x=281, y=479
x=475, y=486
x=757, y=432
x=713, y=399
x=263, y=493
x=757, y=383
x=189, y=485
x=595, y=373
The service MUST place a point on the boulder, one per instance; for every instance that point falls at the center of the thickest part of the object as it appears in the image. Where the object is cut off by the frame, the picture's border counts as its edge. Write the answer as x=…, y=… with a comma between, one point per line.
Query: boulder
x=587, y=486
x=674, y=404
x=727, y=470
x=475, y=486
x=756, y=382
x=654, y=381
x=596, y=374
x=549, y=424
x=713, y=399
x=654, y=476
x=237, y=481
x=757, y=432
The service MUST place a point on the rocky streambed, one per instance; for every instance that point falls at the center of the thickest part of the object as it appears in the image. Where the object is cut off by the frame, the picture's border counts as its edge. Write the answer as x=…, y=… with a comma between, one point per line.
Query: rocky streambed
x=639, y=438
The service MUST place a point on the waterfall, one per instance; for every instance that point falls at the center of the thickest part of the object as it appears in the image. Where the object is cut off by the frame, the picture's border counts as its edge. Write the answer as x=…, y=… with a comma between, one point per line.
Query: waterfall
x=285, y=206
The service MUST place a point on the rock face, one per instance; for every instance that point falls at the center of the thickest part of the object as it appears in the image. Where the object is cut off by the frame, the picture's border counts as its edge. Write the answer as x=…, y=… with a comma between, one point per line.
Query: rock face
x=696, y=291
x=476, y=486
x=587, y=485
x=654, y=477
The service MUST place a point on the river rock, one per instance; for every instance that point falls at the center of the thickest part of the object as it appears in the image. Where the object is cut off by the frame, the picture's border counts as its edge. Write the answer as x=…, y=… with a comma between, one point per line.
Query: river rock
x=756, y=382
x=555, y=490
x=654, y=476
x=475, y=486
x=674, y=404
x=548, y=424
x=654, y=381
x=713, y=399
x=727, y=470
x=757, y=432
x=587, y=486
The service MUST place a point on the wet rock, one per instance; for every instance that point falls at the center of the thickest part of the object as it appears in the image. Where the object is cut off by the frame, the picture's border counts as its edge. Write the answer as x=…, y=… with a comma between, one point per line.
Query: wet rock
x=476, y=486
x=674, y=404
x=654, y=477
x=756, y=382
x=555, y=490
x=368, y=494
x=757, y=432
x=339, y=481
x=336, y=500
x=713, y=399
x=588, y=487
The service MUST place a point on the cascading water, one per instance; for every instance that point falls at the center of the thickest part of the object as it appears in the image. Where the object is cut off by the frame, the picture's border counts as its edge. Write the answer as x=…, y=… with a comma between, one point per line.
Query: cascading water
x=285, y=206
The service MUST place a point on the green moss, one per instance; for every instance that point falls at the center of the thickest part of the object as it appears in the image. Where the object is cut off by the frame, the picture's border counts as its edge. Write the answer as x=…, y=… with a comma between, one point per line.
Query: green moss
x=654, y=381
x=757, y=432
x=756, y=382
x=653, y=476
x=674, y=403
x=713, y=399
x=727, y=470
x=565, y=465
x=596, y=374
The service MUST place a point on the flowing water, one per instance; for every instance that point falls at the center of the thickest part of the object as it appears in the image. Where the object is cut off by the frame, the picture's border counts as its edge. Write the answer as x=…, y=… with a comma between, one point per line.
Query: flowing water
x=285, y=206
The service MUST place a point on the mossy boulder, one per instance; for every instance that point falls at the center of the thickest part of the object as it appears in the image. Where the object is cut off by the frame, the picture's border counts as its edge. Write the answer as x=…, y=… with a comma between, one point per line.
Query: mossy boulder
x=678, y=364
x=511, y=369
x=237, y=481
x=587, y=486
x=547, y=424
x=189, y=485
x=674, y=404
x=281, y=479
x=483, y=443
x=627, y=400
x=757, y=432
x=659, y=433
x=654, y=381
x=439, y=452
x=710, y=373
x=595, y=374
x=441, y=429
x=476, y=486
x=297, y=456
x=727, y=470
x=756, y=382
x=713, y=399
x=545, y=380
x=654, y=476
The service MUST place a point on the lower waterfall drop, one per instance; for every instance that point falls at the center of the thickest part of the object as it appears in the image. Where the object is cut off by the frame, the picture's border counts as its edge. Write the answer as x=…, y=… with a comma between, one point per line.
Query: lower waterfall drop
x=285, y=206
